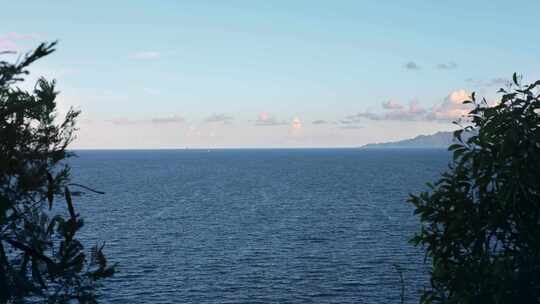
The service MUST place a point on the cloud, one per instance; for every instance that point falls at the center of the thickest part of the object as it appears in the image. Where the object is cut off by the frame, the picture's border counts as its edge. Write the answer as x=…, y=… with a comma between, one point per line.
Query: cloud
x=499, y=81
x=493, y=82
x=319, y=122
x=359, y=117
x=413, y=112
x=394, y=111
x=296, y=123
x=452, y=107
x=174, y=119
x=11, y=41
x=265, y=119
x=411, y=65
x=223, y=118
x=145, y=55
x=392, y=105
x=447, y=66
x=351, y=127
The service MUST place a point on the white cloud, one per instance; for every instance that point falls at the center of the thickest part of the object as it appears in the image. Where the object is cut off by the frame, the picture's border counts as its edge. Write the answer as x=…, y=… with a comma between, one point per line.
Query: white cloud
x=452, y=107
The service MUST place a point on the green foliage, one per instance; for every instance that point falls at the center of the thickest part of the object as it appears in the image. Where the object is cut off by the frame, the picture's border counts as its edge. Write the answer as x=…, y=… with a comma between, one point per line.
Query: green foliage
x=481, y=220
x=40, y=256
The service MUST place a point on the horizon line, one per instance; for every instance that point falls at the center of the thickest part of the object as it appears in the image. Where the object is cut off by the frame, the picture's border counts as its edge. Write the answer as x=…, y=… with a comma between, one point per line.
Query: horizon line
x=259, y=148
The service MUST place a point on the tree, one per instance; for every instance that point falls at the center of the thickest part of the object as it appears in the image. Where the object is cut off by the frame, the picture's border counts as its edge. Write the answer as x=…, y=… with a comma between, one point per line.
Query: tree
x=40, y=256
x=481, y=220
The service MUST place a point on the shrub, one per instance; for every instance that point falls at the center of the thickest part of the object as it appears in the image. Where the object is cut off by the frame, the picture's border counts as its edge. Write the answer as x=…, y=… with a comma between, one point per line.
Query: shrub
x=481, y=220
x=40, y=255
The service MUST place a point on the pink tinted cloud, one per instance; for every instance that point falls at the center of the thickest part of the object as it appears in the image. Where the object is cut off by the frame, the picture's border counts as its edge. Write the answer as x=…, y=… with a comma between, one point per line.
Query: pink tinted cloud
x=296, y=123
x=452, y=106
x=263, y=116
x=412, y=112
x=265, y=119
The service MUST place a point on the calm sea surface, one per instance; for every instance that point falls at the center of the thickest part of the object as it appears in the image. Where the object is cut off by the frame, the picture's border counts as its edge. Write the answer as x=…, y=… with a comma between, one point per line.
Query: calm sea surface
x=257, y=226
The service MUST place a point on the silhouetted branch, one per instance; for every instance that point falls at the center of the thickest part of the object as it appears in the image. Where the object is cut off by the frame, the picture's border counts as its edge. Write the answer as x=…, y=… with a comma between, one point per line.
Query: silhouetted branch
x=87, y=188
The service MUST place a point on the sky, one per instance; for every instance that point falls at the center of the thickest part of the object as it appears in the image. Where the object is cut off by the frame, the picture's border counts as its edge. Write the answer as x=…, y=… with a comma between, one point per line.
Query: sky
x=261, y=74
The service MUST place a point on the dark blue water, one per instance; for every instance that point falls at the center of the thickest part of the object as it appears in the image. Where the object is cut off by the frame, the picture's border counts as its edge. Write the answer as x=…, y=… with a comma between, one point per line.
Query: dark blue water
x=257, y=226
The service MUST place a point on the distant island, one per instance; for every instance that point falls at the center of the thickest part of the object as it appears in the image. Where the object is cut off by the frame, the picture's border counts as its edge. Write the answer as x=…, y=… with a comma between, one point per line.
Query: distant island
x=437, y=140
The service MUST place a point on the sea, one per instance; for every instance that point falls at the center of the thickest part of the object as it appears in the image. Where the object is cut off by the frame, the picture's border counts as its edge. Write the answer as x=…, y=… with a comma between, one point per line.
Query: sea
x=257, y=225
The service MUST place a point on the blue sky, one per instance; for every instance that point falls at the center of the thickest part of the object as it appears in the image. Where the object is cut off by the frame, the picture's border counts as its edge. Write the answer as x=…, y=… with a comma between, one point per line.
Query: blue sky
x=167, y=74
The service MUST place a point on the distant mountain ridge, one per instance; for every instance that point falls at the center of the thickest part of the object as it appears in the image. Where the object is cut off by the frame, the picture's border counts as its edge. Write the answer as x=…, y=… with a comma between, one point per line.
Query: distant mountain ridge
x=437, y=140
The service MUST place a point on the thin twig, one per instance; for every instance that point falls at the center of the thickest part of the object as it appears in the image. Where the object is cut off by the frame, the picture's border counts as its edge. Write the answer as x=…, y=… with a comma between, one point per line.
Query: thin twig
x=87, y=188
